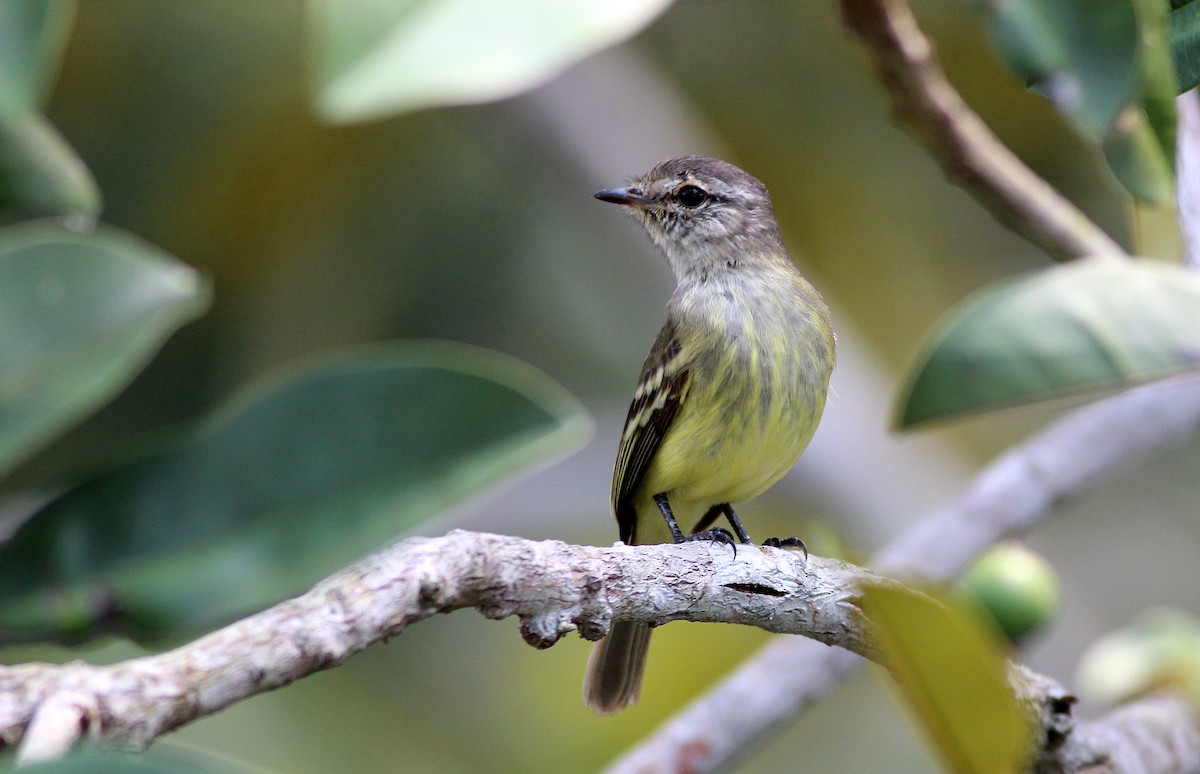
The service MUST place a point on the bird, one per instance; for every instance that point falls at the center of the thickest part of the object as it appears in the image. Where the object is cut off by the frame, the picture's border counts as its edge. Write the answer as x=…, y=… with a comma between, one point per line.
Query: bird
x=733, y=387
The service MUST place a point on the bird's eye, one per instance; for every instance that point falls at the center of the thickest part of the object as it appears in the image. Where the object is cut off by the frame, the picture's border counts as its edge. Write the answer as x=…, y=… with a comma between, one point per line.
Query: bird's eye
x=691, y=196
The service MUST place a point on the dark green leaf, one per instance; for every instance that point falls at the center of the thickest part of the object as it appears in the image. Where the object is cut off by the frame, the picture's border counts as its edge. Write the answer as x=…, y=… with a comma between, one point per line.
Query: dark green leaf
x=291, y=481
x=32, y=35
x=1094, y=323
x=374, y=58
x=79, y=316
x=1079, y=53
x=1108, y=66
x=1184, y=31
x=952, y=671
x=40, y=174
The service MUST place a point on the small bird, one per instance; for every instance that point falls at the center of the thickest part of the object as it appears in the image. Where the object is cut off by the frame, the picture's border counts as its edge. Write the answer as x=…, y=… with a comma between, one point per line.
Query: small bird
x=732, y=390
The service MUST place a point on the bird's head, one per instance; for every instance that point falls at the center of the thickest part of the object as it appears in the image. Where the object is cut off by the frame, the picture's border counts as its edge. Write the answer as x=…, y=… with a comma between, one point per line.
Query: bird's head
x=703, y=213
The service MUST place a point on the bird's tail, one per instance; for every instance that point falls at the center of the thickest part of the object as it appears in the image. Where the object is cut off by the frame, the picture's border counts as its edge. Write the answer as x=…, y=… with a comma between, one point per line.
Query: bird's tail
x=614, y=672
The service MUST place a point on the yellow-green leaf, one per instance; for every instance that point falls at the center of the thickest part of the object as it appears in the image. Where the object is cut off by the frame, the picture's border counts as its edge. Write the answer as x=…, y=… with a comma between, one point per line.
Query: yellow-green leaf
x=952, y=672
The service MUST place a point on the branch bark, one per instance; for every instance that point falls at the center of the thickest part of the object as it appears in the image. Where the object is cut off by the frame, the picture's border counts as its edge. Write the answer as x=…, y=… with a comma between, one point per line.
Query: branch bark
x=925, y=101
x=553, y=587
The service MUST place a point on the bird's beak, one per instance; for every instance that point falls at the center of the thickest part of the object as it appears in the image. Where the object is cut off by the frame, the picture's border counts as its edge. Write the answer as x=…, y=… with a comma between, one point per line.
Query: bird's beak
x=627, y=195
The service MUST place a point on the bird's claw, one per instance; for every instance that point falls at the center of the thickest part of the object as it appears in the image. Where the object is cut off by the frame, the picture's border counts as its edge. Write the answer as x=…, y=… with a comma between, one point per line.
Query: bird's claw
x=716, y=535
x=788, y=542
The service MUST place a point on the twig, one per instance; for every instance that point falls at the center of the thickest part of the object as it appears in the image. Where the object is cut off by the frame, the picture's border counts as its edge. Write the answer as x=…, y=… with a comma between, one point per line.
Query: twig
x=923, y=99
x=1011, y=495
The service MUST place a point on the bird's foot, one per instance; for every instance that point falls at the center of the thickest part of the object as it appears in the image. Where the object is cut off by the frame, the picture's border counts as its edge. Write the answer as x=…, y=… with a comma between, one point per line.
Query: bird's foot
x=794, y=543
x=716, y=535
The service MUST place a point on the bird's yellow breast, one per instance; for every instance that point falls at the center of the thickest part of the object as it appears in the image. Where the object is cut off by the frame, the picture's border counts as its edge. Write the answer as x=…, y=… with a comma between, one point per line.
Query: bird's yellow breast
x=755, y=396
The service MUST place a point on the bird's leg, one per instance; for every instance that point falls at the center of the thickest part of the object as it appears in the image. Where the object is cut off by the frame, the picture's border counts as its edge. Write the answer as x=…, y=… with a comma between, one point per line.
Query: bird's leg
x=725, y=508
x=719, y=535
x=708, y=518
x=664, y=507
x=734, y=521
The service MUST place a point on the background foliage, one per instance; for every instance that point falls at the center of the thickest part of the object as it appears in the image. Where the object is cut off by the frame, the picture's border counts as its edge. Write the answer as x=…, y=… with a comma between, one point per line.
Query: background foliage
x=475, y=223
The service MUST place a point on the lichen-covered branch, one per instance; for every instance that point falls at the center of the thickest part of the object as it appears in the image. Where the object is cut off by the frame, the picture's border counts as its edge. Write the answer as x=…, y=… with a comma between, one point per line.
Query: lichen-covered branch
x=925, y=101
x=554, y=588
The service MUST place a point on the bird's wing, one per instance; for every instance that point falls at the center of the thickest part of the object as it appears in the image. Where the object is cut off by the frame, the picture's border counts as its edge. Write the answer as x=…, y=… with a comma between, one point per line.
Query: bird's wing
x=660, y=393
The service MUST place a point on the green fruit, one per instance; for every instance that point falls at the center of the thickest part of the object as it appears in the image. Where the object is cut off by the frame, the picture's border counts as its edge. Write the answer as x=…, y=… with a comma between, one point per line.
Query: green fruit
x=1017, y=587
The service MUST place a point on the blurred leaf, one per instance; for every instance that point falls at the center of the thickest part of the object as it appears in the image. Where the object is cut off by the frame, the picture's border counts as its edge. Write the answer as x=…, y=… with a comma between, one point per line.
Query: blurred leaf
x=1133, y=153
x=952, y=671
x=293, y=480
x=374, y=58
x=1159, y=650
x=1184, y=33
x=1093, y=323
x=32, y=36
x=1099, y=62
x=1079, y=53
x=40, y=174
x=80, y=315
x=1146, y=168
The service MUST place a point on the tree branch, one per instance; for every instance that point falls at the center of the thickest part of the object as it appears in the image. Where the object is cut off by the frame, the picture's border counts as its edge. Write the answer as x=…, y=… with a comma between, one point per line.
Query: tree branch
x=553, y=587
x=1156, y=734
x=1013, y=494
x=929, y=105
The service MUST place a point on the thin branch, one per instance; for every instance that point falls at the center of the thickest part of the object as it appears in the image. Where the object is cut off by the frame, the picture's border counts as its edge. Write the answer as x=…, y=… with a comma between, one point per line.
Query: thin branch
x=1010, y=496
x=925, y=101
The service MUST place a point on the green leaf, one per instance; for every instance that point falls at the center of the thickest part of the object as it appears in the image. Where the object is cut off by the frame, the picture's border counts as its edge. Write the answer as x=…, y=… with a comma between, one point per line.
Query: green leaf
x=1095, y=323
x=80, y=315
x=952, y=672
x=1184, y=33
x=40, y=174
x=289, y=482
x=32, y=36
x=1106, y=65
x=374, y=58
x=1145, y=165
x=1134, y=153
x=1079, y=53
